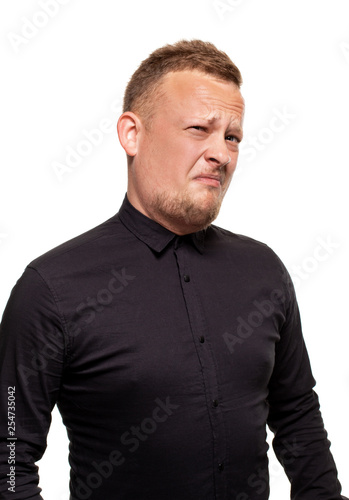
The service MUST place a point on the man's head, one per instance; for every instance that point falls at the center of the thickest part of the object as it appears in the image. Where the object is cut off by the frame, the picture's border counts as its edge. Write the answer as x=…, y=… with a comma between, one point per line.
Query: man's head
x=181, y=126
x=144, y=87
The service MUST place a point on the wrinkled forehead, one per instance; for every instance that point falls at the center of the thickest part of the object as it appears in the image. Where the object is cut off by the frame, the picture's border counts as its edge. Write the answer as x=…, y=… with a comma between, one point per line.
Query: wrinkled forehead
x=189, y=91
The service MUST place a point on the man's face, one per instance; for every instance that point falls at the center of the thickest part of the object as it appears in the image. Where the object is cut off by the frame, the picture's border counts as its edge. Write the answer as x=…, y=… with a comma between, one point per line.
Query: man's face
x=188, y=153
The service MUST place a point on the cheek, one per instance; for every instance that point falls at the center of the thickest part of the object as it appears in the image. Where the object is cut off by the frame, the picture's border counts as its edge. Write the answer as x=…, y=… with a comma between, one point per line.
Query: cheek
x=168, y=159
x=179, y=160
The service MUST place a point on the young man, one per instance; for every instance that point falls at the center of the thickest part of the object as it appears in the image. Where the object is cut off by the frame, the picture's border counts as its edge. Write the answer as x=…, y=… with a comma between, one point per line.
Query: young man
x=167, y=343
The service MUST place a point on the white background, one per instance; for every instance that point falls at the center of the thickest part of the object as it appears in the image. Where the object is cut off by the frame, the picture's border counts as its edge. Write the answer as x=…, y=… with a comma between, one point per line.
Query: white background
x=291, y=186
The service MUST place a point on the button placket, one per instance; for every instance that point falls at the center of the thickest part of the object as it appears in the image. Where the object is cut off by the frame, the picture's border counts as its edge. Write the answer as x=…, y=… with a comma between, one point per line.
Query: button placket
x=198, y=327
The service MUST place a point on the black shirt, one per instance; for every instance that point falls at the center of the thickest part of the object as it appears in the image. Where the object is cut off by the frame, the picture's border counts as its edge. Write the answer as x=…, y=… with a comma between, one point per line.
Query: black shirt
x=167, y=356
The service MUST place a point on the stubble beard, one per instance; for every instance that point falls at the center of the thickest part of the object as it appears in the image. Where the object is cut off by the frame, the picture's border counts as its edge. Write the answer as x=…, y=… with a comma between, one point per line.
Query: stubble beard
x=184, y=210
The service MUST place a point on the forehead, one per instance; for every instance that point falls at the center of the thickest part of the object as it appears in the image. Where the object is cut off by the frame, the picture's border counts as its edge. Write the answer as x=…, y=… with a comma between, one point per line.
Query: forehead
x=189, y=91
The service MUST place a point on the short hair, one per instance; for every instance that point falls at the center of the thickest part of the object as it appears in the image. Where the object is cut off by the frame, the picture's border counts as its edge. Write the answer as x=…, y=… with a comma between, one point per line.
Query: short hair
x=144, y=85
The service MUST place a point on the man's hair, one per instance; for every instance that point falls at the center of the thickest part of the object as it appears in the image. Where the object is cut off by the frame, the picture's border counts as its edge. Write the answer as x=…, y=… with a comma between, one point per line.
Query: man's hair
x=143, y=88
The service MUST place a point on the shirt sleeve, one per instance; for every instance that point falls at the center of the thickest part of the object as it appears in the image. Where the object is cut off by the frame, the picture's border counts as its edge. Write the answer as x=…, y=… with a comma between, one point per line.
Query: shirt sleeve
x=300, y=442
x=32, y=350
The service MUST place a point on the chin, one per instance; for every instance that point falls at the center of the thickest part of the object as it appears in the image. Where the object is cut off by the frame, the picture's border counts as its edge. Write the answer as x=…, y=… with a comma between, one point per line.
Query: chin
x=201, y=215
x=210, y=201
x=195, y=211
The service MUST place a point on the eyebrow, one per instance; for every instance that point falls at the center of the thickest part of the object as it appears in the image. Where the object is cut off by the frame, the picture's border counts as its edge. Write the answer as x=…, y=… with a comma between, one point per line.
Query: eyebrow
x=233, y=124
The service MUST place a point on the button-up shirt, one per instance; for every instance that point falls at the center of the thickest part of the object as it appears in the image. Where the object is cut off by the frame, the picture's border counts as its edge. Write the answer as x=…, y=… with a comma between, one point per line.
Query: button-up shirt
x=167, y=356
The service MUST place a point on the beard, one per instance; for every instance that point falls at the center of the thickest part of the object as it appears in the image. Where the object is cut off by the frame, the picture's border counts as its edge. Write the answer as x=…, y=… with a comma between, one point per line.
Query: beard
x=188, y=210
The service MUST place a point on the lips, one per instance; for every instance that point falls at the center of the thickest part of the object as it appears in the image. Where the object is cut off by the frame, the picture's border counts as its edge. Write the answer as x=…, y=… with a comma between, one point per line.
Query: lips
x=210, y=179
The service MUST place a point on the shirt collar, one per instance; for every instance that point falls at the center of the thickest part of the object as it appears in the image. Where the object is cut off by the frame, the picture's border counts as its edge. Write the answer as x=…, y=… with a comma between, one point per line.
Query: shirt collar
x=154, y=235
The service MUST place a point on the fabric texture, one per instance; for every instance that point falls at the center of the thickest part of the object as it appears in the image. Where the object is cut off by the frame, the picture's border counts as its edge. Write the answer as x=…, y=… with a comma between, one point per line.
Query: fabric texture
x=167, y=356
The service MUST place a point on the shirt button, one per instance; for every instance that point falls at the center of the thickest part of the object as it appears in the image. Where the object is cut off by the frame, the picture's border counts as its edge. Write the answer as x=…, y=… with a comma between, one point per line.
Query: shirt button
x=202, y=339
x=215, y=403
x=186, y=278
x=221, y=467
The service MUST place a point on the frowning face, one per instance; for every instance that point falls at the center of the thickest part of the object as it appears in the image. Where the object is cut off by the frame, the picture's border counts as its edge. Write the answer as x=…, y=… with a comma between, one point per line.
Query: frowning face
x=184, y=161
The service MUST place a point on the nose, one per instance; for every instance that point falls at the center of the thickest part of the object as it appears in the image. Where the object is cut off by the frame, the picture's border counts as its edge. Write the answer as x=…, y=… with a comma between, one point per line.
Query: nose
x=217, y=153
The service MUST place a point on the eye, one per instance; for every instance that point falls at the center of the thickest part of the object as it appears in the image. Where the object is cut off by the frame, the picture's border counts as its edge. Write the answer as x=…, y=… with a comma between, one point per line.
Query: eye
x=198, y=127
x=232, y=138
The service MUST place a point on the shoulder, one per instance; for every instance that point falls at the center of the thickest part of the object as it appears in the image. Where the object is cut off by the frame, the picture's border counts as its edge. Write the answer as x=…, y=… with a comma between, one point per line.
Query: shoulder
x=238, y=242
x=246, y=253
x=79, y=250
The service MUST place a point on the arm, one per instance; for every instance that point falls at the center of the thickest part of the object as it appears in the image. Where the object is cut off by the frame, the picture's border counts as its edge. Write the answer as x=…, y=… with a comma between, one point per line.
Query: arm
x=300, y=441
x=31, y=361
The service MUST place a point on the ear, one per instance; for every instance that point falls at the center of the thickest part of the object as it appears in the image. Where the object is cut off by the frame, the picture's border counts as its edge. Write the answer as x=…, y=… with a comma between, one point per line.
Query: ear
x=128, y=128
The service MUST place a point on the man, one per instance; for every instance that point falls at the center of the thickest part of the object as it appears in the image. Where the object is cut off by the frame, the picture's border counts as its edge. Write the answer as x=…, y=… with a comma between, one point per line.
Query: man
x=167, y=343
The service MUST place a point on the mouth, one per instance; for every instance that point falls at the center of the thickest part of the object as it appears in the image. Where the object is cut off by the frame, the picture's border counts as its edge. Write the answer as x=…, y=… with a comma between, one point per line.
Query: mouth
x=210, y=180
